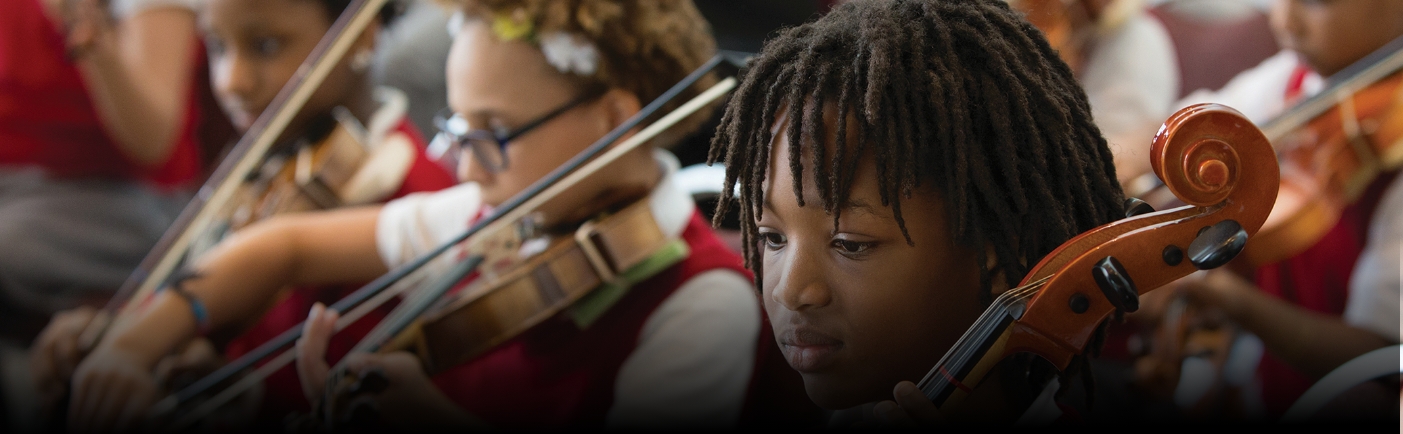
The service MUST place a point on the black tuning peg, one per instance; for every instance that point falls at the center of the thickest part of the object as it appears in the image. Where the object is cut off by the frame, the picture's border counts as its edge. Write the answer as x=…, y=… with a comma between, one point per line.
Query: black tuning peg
x=1216, y=245
x=371, y=381
x=1134, y=207
x=1115, y=283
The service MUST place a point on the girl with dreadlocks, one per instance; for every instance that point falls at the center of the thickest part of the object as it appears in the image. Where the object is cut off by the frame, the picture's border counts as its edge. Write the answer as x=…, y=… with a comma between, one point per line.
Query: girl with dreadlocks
x=898, y=163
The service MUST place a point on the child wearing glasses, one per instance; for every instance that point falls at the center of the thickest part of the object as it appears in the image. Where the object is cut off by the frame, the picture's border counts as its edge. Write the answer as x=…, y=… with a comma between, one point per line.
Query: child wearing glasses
x=531, y=83
x=920, y=158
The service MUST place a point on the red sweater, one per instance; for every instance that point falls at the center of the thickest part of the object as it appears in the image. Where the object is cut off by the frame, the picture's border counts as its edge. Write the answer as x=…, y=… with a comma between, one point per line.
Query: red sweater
x=48, y=120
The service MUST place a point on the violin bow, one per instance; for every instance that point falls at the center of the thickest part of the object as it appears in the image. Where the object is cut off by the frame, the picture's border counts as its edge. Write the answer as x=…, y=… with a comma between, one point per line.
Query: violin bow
x=574, y=170
x=200, y=213
x=1376, y=66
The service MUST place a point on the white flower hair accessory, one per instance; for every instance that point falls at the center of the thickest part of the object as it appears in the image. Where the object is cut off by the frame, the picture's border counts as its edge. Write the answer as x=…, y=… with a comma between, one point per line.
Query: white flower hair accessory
x=570, y=54
x=455, y=22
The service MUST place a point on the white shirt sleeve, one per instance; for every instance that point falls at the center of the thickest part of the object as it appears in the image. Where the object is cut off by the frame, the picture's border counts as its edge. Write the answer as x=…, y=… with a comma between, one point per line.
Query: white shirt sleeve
x=127, y=8
x=1258, y=93
x=1377, y=278
x=1131, y=80
x=694, y=360
x=413, y=225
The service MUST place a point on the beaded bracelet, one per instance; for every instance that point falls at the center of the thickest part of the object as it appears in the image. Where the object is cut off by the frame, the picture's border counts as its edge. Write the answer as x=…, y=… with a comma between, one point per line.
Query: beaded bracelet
x=197, y=308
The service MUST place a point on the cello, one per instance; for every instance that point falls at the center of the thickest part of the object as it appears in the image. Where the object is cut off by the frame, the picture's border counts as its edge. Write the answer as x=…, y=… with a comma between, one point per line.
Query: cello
x=1331, y=148
x=1214, y=160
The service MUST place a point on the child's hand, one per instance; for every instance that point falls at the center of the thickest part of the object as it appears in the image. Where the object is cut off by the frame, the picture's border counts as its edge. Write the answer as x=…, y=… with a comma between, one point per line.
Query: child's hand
x=311, y=350
x=56, y=355
x=410, y=400
x=910, y=409
x=112, y=391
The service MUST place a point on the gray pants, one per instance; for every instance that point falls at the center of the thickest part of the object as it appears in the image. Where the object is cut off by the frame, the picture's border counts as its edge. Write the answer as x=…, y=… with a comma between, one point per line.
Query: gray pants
x=70, y=242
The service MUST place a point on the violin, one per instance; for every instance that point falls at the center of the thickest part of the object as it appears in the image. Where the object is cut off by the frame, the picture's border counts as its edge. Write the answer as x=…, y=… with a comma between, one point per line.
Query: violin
x=1214, y=160
x=312, y=176
x=306, y=176
x=1328, y=162
x=249, y=185
x=534, y=270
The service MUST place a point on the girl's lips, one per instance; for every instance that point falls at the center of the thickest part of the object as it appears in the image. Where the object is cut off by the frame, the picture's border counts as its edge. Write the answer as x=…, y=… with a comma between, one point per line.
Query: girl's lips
x=808, y=350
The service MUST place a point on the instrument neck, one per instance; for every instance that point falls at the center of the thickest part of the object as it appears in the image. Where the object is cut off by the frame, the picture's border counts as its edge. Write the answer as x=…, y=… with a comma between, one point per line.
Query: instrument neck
x=965, y=364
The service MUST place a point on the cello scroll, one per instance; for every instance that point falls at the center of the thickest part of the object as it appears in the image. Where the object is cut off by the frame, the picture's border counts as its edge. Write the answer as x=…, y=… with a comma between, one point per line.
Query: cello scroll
x=1212, y=157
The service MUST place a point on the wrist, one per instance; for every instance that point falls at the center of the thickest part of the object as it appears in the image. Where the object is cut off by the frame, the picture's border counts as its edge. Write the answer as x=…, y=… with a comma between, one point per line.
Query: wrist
x=129, y=350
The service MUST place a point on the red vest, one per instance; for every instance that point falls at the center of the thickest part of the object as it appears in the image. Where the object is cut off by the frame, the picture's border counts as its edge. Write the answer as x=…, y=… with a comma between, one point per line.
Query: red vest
x=557, y=375
x=283, y=390
x=47, y=118
x=1316, y=279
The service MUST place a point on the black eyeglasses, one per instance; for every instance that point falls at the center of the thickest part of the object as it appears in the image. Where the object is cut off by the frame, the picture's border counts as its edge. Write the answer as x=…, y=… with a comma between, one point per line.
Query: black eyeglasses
x=489, y=147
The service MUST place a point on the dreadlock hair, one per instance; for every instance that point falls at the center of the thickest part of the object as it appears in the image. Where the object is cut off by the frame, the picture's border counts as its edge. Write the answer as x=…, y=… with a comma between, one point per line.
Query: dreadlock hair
x=963, y=94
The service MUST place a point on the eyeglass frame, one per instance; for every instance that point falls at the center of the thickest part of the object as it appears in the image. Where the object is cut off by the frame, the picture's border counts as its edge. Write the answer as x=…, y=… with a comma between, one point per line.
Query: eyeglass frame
x=476, y=138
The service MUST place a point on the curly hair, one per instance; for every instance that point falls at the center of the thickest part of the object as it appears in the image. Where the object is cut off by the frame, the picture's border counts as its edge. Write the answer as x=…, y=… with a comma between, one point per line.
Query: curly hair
x=646, y=46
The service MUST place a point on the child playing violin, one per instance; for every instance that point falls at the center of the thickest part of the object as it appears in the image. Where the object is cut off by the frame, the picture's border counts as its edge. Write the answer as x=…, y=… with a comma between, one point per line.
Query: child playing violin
x=1339, y=297
x=531, y=83
x=254, y=47
x=899, y=163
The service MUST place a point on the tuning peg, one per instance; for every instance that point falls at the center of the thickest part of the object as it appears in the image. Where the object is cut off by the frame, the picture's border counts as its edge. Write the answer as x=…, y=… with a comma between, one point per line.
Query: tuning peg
x=1216, y=245
x=1115, y=283
x=1135, y=206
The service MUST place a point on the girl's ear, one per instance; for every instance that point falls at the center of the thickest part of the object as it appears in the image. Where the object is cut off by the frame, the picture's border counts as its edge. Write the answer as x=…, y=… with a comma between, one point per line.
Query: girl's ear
x=618, y=106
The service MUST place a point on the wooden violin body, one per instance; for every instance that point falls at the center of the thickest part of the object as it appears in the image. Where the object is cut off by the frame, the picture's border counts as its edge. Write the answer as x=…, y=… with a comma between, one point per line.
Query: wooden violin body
x=569, y=268
x=311, y=177
x=1328, y=163
x=1213, y=159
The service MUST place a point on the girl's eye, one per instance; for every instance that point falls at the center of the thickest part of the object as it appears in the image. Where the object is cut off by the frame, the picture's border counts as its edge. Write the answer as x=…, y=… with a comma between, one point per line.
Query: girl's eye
x=773, y=241
x=851, y=248
x=267, y=46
